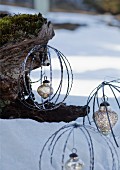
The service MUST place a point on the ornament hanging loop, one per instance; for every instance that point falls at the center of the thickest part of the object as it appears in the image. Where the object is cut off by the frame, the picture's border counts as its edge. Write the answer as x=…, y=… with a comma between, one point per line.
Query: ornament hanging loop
x=104, y=98
x=74, y=150
x=45, y=77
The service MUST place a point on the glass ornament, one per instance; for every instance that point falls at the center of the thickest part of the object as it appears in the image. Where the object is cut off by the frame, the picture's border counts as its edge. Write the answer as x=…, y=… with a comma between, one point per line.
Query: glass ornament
x=104, y=118
x=88, y=142
x=42, y=61
x=45, y=90
x=74, y=163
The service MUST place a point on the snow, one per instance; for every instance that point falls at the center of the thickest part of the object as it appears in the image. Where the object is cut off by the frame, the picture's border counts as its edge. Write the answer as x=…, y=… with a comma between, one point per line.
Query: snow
x=93, y=51
x=94, y=54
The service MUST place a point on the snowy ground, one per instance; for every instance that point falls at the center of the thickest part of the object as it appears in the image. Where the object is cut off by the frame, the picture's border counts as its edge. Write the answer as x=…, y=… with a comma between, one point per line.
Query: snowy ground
x=94, y=54
x=93, y=51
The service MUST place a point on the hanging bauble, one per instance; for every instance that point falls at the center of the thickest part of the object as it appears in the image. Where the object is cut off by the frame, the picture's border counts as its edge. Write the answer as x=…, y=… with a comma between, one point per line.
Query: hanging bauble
x=85, y=143
x=44, y=69
x=105, y=117
x=74, y=163
x=45, y=90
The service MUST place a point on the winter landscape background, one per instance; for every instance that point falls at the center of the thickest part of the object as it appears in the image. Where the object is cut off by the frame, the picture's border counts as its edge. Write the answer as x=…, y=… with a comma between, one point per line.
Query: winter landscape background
x=94, y=54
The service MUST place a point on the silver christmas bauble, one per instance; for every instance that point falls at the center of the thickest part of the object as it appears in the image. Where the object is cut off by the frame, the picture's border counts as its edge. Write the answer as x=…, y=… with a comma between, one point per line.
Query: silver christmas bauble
x=45, y=90
x=101, y=118
x=74, y=163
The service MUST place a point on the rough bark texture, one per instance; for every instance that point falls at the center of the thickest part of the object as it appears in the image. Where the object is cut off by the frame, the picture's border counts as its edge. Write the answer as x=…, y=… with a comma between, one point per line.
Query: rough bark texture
x=63, y=113
x=11, y=57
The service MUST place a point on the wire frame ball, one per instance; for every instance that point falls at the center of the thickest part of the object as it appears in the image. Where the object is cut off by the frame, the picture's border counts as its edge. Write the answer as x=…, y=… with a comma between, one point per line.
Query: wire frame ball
x=86, y=148
x=41, y=89
x=105, y=118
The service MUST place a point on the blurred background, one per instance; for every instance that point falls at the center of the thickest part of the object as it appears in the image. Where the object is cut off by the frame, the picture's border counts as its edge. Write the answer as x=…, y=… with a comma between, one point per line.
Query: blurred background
x=98, y=6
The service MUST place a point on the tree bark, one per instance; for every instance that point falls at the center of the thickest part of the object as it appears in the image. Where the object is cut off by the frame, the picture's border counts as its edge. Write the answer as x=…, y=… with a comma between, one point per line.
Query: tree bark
x=11, y=58
x=62, y=113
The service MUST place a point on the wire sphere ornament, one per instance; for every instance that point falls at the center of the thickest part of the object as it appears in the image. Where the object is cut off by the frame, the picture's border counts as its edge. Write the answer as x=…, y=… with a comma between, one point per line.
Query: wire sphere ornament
x=105, y=118
x=41, y=88
x=82, y=152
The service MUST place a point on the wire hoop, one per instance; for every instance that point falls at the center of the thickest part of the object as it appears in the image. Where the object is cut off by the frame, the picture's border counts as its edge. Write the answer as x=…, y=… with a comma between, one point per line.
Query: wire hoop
x=53, y=66
x=100, y=94
x=86, y=133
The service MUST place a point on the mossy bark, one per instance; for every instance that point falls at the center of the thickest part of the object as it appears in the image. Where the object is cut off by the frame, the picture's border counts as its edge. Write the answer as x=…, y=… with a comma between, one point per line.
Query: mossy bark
x=12, y=54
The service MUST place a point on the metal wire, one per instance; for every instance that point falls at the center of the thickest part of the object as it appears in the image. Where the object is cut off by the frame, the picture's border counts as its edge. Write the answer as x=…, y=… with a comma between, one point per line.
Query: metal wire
x=90, y=144
x=65, y=133
x=95, y=98
x=53, y=101
x=64, y=148
x=112, y=149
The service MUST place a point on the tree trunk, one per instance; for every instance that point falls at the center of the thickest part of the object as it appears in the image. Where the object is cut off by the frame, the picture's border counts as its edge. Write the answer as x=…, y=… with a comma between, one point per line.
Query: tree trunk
x=62, y=113
x=12, y=56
